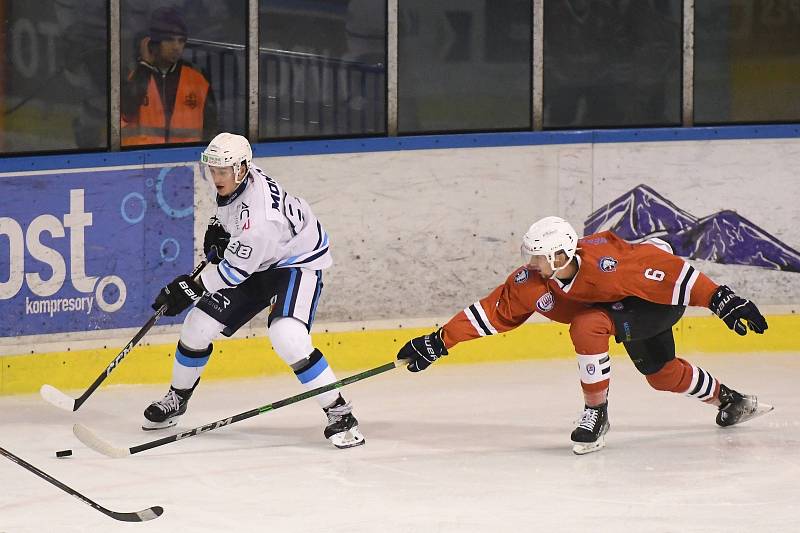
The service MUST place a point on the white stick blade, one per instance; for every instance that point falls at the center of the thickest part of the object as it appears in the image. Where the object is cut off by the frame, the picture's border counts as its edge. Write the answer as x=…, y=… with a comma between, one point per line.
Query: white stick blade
x=150, y=514
x=55, y=397
x=86, y=436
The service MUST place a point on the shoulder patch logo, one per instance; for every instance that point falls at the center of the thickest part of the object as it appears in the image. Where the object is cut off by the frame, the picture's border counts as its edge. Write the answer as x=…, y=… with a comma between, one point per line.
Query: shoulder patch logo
x=521, y=276
x=594, y=240
x=545, y=303
x=607, y=264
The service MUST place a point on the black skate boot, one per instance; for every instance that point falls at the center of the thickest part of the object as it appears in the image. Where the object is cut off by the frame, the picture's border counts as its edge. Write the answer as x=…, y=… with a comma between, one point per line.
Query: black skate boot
x=165, y=412
x=736, y=408
x=342, y=429
x=588, y=436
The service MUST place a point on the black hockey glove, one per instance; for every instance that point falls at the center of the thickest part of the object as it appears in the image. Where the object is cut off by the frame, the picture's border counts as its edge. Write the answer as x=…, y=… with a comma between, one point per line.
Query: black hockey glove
x=181, y=292
x=422, y=351
x=215, y=241
x=735, y=311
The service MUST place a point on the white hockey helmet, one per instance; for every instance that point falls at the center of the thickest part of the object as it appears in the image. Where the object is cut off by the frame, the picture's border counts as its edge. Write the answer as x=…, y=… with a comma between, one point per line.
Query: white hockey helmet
x=547, y=237
x=228, y=150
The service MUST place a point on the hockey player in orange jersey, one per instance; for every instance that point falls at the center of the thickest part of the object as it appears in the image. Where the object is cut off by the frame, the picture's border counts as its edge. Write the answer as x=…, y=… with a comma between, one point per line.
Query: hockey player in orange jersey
x=605, y=287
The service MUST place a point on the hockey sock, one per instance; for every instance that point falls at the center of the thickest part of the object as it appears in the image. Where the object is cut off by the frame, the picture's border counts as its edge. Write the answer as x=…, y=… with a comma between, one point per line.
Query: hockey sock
x=595, y=374
x=590, y=331
x=189, y=365
x=683, y=377
x=314, y=372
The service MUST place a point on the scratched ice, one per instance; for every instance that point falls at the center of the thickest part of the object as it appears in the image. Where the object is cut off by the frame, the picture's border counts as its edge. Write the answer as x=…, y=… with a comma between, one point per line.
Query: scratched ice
x=457, y=448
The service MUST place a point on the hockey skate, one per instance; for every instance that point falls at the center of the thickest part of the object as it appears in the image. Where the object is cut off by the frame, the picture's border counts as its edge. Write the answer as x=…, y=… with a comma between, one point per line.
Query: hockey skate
x=165, y=412
x=736, y=408
x=589, y=437
x=342, y=429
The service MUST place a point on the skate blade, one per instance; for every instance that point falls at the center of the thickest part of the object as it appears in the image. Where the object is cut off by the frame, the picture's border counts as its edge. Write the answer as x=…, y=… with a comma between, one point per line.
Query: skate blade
x=761, y=409
x=152, y=426
x=582, y=448
x=348, y=439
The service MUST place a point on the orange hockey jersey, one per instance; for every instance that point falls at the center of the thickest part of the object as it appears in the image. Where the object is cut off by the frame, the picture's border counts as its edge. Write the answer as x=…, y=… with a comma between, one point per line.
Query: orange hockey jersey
x=508, y=306
x=610, y=269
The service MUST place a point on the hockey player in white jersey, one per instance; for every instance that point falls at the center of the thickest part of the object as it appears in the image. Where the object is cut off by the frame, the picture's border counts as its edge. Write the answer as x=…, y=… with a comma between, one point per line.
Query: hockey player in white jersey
x=270, y=252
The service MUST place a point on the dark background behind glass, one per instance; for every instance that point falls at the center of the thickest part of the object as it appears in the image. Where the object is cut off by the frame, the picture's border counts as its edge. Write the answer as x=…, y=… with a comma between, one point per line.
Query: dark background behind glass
x=223, y=58
x=612, y=63
x=322, y=68
x=747, y=61
x=54, y=82
x=464, y=66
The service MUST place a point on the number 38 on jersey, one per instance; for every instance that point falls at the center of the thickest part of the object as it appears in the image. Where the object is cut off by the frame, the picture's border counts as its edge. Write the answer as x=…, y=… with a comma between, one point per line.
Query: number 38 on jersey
x=239, y=249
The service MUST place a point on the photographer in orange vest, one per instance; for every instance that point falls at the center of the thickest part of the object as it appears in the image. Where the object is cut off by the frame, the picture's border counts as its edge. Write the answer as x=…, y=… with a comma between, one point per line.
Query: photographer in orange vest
x=166, y=99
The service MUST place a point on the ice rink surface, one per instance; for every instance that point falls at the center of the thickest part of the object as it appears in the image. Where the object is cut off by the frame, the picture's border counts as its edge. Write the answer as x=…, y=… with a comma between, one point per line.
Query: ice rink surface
x=457, y=448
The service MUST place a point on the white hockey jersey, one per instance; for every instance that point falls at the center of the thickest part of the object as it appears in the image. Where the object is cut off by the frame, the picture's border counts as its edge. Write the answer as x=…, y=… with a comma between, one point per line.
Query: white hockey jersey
x=269, y=229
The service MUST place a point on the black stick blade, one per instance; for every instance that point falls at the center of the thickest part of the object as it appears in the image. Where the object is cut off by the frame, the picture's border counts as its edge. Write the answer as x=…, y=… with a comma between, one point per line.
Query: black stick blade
x=139, y=516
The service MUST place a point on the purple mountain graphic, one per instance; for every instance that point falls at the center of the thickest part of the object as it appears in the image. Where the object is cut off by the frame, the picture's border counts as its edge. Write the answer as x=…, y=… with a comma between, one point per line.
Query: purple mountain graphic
x=725, y=237
x=639, y=212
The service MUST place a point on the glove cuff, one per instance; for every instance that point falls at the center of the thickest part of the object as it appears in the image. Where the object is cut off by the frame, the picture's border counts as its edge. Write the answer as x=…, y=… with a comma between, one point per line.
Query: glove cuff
x=437, y=341
x=720, y=299
x=196, y=285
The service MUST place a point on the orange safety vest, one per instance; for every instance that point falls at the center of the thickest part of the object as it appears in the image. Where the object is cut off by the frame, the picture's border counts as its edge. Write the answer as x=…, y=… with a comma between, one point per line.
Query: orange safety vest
x=186, y=123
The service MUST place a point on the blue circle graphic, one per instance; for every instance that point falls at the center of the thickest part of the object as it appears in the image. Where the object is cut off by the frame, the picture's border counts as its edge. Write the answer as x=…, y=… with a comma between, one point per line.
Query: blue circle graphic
x=125, y=217
x=174, y=213
x=149, y=182
x=164, y=244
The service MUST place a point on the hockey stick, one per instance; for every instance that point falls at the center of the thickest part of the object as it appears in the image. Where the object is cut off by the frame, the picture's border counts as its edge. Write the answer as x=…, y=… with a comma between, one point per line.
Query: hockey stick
x=139, y=516
x=86, y=436
x=59, y=399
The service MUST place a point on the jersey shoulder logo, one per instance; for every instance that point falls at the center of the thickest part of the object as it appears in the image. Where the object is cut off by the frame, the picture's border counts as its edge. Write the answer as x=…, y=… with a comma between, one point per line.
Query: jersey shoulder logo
x=521, y=276
x=594, y=240
x=545, y=303
x=607, y=264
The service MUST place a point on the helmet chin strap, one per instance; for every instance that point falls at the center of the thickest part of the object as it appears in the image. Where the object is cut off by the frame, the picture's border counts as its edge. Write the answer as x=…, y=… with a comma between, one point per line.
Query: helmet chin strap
x=552, y=263
x=237, y=167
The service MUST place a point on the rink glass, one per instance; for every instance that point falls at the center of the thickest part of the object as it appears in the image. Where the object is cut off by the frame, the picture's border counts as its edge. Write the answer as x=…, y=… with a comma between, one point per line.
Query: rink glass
x=743, y=51
x=464, y=66
x=322, y=68
x=611, y=63
x=216, y=45
x=54, y=75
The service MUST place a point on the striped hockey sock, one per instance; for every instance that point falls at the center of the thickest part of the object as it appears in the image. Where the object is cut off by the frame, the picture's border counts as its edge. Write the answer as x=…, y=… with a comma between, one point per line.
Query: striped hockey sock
x=681, y=376
x=703, y=386
x=314, y=372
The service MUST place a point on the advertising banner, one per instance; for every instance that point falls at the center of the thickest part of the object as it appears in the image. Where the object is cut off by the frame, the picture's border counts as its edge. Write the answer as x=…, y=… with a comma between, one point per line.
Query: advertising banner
x=90, y=250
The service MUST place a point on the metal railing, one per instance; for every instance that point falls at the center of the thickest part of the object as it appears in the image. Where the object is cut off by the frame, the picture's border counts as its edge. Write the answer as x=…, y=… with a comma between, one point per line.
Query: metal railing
x=301, y=94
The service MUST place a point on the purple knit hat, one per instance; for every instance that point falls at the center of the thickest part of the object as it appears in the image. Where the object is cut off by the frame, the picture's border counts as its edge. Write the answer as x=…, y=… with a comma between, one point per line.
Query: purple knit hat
x=166, y=22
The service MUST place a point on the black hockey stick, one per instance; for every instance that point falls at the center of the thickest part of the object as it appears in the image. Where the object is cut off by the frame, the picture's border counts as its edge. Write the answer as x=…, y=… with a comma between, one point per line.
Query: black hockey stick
x=139, y=516
x=59, y=399
x=86, y=436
